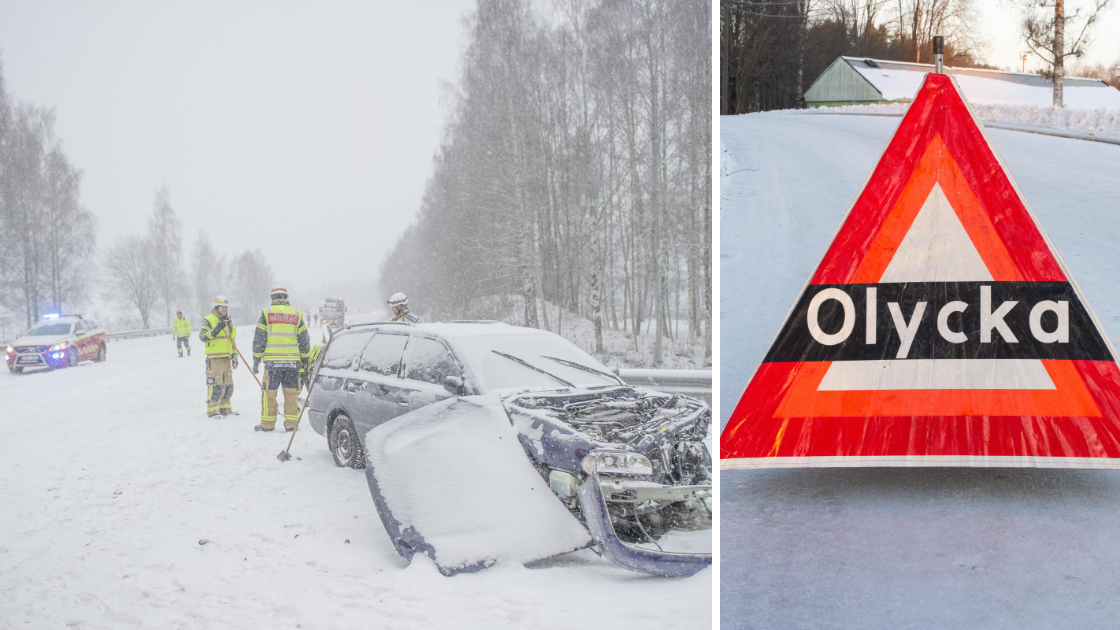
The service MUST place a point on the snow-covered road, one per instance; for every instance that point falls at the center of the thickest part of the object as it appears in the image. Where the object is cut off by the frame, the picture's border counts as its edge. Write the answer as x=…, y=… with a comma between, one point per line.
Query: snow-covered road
x=893, y=547
x=123, y=506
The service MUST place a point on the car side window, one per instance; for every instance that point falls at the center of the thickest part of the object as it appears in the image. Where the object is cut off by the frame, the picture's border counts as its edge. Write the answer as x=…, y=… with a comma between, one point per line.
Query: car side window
x=429, y=361
x=383, y=356
x=344, y=350
x=79, y=328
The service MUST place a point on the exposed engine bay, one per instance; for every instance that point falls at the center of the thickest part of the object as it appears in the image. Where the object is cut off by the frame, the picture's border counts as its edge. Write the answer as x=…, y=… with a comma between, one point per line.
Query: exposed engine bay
x=645, y=448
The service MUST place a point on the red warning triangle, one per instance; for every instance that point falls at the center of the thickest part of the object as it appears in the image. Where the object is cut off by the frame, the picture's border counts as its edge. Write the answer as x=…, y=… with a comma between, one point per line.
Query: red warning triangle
x=940, y=329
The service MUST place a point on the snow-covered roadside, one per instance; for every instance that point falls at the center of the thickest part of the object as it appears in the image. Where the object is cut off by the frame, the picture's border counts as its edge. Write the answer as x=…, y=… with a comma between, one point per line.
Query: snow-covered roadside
x=1096, y=123
x=124, y=507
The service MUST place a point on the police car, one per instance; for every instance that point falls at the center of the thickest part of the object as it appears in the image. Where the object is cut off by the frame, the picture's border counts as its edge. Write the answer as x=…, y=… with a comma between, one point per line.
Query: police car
x=57, y=341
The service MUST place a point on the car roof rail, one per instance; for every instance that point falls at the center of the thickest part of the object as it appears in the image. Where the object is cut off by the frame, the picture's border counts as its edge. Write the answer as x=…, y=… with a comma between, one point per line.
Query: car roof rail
x=349, y=326
x=472, y=321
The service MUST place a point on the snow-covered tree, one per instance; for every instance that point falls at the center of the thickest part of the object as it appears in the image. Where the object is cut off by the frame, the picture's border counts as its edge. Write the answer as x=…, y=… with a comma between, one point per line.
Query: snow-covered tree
x=252, y=280
x=207, y=274
x=165, y=233
x=574, y=173
x=133, y=276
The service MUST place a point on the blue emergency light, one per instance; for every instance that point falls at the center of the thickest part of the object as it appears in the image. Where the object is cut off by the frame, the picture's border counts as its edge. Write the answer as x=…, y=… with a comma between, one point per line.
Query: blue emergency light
x=51, y=316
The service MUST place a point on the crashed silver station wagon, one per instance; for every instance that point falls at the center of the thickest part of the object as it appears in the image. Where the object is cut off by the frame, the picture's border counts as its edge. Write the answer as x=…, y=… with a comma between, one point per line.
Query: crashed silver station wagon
x=486, y=443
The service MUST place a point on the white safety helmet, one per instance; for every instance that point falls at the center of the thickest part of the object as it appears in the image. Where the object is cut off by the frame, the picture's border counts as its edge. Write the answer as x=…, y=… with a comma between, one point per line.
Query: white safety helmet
x=279, y=290
x=398, y=299
x=221, y=300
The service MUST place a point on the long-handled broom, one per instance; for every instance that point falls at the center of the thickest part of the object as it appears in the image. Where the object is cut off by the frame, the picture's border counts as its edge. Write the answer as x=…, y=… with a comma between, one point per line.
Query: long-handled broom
x=285, y=455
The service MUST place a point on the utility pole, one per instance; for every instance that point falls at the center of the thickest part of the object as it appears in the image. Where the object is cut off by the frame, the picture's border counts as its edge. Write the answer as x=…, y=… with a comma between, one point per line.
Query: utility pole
x=1023, y=57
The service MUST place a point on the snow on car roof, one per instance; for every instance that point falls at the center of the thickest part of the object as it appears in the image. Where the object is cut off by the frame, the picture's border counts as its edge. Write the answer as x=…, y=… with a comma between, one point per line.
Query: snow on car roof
x=475, y=329
x=458, y=330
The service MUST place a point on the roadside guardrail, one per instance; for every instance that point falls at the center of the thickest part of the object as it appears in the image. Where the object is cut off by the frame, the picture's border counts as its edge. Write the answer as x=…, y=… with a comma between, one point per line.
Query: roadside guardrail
x=695, y=383
x=129, y=334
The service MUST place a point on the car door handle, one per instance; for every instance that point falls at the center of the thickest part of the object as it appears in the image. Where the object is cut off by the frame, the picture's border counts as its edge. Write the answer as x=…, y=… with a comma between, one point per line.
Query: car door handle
x=355, y=386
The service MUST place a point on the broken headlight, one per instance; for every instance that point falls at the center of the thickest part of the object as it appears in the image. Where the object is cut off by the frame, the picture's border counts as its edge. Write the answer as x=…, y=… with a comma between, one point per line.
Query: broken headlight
x=616, y=463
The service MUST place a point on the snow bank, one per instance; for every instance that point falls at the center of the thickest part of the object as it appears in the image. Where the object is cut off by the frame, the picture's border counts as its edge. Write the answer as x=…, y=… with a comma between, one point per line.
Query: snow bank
x=1099, y=123
x=455, y=473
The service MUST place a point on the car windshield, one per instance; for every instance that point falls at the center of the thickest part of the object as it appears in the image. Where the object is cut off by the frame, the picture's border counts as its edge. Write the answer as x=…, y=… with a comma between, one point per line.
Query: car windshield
x=528, y=360
x=49, y=330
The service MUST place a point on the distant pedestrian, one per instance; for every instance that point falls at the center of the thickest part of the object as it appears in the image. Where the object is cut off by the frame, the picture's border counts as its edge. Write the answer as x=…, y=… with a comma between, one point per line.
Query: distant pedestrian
x=181, y=331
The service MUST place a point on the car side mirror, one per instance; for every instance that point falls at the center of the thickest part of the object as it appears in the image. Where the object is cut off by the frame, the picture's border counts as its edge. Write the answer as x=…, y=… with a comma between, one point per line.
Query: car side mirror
x=616, y=371
x=453, y=384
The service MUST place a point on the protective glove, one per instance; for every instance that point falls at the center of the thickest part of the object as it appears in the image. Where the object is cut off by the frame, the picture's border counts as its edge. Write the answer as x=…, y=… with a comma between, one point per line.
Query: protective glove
x=216, y=329
x=256, y=366
x=234, y=359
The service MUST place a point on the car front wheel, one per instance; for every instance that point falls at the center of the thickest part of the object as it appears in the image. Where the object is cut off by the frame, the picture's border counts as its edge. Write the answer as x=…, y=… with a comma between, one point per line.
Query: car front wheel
x=16, y=370
x=100, y=353
x=71, y=358
x=345, y=445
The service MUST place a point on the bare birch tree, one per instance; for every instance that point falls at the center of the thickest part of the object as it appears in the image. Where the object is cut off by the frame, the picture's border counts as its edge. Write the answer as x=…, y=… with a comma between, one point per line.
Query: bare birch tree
x=207, y=273
x=165, y=233
x=132, y=275
x=1045, y=24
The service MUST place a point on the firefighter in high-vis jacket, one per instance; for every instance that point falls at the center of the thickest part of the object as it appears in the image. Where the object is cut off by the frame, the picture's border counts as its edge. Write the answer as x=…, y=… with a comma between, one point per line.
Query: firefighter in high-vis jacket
x=282, y=344
x=219, y=335
x=181, y=330
x=399, y=303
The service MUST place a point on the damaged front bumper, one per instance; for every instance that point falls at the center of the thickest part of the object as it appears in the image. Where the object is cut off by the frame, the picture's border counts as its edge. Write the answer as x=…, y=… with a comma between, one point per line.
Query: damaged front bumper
x=593, y=494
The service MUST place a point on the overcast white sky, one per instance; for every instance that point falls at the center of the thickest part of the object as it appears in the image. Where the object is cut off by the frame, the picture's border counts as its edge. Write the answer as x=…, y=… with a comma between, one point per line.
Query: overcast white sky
x=270, y=121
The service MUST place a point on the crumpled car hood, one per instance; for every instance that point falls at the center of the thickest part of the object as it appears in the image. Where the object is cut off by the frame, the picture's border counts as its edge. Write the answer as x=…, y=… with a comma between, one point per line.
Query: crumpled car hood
x=453, y=481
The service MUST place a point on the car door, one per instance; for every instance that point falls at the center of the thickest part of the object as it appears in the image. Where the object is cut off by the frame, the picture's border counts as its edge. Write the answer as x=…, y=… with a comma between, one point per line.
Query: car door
x=334, y=388
x=427, y=362
x=379, y=372
x=79, y=340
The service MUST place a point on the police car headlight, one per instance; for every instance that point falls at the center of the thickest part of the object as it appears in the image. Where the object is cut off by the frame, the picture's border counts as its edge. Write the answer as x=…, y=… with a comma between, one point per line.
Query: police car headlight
x=59, y=346
x=616, y=463
x=11, y=350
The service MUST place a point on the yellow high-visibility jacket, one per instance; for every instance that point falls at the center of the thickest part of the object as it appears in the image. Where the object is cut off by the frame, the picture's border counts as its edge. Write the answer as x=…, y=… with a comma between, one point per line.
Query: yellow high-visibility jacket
x=281, y=336
x=182, y=327
x=220, y=344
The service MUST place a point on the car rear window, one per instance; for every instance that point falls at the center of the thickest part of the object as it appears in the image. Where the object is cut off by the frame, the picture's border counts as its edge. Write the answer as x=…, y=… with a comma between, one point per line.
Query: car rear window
x=384, y=354
x=50, y=330
x=429, y=361
x=345, y=349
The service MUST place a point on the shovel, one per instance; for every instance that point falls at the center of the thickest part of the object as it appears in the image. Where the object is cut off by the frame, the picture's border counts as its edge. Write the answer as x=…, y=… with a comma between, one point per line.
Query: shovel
x=285, y=455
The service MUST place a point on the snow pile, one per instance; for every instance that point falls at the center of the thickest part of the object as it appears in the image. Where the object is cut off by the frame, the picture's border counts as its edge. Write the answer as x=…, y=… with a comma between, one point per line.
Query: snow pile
x=1099, y=123
x=456, y=474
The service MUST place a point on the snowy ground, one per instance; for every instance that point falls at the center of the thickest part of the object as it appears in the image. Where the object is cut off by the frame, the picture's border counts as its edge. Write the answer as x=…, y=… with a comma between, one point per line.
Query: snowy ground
x=125, y=507
x=897, y=548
